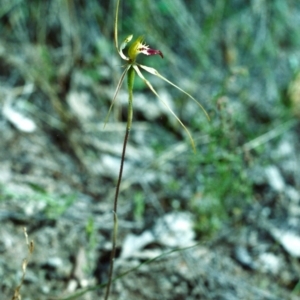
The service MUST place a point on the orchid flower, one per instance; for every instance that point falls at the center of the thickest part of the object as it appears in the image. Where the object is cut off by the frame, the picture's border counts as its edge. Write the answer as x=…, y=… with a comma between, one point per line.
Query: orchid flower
x=131, y=66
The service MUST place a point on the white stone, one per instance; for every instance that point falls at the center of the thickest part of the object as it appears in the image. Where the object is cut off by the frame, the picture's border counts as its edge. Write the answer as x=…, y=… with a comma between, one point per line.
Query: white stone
x=289, y=241
x=269, y=262
x=274, y=178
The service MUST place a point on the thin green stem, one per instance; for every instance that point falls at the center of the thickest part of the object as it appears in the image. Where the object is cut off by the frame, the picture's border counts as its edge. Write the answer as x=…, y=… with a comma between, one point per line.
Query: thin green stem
x=130, y=81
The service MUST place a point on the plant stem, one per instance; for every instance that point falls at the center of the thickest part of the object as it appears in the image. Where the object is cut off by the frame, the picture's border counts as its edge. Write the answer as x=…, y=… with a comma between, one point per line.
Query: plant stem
x=130, y=81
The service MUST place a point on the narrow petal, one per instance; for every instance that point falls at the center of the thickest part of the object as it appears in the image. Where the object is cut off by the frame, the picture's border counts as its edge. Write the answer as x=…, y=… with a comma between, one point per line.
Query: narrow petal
x=116, y=93
x=123, y=45
x=165, y=103
x=154, y=72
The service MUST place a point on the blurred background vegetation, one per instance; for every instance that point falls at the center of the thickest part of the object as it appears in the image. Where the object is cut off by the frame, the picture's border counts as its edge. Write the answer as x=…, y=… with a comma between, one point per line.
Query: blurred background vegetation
x=239, y=58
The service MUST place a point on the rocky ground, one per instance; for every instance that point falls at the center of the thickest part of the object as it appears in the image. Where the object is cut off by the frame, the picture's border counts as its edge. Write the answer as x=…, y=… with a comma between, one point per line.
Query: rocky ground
x=221, y=223
x=67, y=213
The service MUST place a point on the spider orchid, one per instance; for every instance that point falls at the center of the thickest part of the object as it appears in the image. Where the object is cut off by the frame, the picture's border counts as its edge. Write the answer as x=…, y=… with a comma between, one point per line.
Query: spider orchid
x=131, y=66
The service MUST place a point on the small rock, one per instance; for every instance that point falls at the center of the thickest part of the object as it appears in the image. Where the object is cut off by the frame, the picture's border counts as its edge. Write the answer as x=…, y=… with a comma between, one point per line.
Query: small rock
x=242, y=255
x=175, y=230
x=289, y=241
x=134, y=243
x=269, y=262
x=18, y=120
x=274, y=178
x=172, y=230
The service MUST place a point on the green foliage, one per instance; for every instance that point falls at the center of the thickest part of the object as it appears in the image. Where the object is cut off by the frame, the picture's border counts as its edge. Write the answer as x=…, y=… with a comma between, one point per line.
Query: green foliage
x=91, y=246
x=224, y=183
x=138, y=206
x=296, y=290
x=51, y=205
x=55, y=205
x=210, y=215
